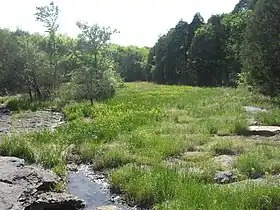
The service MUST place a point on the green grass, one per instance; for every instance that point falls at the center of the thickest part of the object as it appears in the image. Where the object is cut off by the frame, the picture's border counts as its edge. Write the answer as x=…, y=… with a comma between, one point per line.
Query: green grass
x=230, y=146
x=259, y=160
x=4, y=99
x=134, y=133
x=269, y=118
x=21, y=103
x=185, y=191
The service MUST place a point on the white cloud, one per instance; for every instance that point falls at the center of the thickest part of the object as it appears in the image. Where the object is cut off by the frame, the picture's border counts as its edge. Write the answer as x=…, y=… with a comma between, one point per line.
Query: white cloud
x=139, y=21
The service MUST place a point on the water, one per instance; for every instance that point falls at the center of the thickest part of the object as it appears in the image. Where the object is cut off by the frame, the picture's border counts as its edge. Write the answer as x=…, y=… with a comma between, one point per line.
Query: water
x=92, y=188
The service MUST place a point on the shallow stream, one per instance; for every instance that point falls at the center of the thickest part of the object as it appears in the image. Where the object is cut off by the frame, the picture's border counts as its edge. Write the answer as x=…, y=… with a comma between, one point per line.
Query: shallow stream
x=93, y=189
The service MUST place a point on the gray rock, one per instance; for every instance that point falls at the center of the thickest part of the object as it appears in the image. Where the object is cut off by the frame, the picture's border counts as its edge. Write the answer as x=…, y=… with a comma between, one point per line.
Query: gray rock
x=9, y=195
x=14, y=171
x=252, y=109
x=116, y=199
x=108, y=208
x=263, y=130
x=29, y=121
x=224, y=177
x=52, y=200
x=72, y=167
x=29, y=187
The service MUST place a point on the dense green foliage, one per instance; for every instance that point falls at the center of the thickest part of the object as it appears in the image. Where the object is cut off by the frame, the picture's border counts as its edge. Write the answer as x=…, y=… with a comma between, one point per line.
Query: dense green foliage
x=199, y=53
x=41, y=66
x=216, y=52
x=261, y=48
x=226, y=50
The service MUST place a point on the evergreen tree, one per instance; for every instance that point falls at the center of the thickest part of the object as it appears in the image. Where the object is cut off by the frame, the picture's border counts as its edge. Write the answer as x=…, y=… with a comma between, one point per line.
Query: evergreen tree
x=261, y=50
x=207, y=55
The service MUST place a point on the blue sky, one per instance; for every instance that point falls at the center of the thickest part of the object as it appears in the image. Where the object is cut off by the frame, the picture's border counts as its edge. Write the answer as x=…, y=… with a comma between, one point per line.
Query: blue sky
x=140, y=22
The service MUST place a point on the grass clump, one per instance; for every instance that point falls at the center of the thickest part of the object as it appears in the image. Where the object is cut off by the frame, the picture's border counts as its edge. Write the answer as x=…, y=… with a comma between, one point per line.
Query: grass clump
x=22, y=149
x=112, y=156
x=4, y=99
x=172, y=190
x=258, y=161
x=193, y=195
x=143, y=186
x=21, y=103
x=223, y=147
x=227, y=146
x=269, y=118
x=197, y=156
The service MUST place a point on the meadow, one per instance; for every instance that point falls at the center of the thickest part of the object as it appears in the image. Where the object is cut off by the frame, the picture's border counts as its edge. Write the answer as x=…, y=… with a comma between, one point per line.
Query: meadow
x=149, y=138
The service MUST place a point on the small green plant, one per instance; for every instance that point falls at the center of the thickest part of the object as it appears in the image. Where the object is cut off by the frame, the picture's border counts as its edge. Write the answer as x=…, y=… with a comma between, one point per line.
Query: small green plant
x=60, y=169
x=21, y=103
x=243, y=80
x=223, y=147
x=269, y=118
x=240, y=126
x=87, y=151
x=22, y=149
x=112, y=159
x=258, y=161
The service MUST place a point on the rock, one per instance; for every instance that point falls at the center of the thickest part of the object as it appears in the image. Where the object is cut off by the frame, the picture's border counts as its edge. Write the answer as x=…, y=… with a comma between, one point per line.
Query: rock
x=29, y=187
x=273, y=180
x=252, y=109
x=9, y=195
x=225, y=161
x=224, y=177
x=263, y=130
x=29, y=121
x=4, y=110
x=72, y=167
x=52, y=200
x=14, y=171
x=108, y=208
x=115, y=199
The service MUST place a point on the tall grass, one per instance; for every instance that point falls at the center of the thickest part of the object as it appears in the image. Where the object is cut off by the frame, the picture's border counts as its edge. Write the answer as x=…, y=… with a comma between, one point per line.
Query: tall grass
x=172, y=190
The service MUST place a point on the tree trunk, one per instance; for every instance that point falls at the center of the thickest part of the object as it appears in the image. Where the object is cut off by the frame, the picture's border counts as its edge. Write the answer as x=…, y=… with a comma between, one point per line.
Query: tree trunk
x=37, y=89
x=38, y=92
x=30, y=93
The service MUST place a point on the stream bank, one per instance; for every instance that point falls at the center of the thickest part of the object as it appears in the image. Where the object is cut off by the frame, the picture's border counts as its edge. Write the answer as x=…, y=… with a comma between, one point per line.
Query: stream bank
x=85, y=189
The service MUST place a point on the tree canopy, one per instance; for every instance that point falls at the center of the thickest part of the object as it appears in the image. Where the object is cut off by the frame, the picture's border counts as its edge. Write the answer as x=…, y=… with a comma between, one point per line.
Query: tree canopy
x=203, y=53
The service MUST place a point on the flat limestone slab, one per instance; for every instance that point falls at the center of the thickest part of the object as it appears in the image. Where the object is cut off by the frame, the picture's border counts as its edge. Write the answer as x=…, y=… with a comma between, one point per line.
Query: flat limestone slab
x=263, y=130
x=28, y=187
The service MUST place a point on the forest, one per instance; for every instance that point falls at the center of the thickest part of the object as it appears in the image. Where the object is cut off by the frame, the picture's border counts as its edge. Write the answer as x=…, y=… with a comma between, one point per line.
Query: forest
x=224, y=50
x=192, y=122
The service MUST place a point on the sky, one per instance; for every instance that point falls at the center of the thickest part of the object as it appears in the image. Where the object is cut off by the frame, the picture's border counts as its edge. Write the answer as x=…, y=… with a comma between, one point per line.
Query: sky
x=140, y=22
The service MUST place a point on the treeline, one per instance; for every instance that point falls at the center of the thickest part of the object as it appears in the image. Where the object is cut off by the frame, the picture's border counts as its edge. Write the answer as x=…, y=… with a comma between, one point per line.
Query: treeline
x=227, y=49
x=86, y=67
x=242, y=46
x=202, y=53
